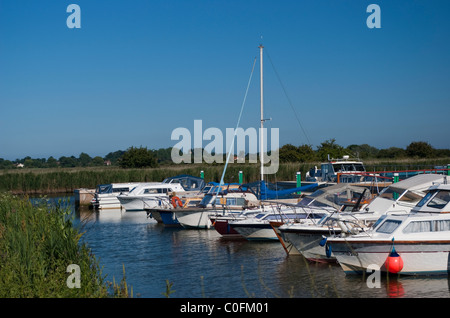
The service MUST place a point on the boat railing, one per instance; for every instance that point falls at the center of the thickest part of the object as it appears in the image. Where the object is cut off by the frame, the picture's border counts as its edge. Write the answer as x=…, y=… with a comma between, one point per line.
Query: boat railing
x=303, y=213
x=387, y=175
x=164, y=201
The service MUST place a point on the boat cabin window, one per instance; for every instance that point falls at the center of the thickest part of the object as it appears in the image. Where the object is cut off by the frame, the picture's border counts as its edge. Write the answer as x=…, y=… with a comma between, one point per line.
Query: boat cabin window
x=427, y=226
x=315, y=216
x=418, y=226
x=236, y=201
x=437, y=199
x=206, y=200
x=389, y=194
x=388, y=226
x=273, y=217
x=121, y=189
x=157, y=190
x=440, y=200
x=231, y=201
x=348, y=167
x=104, y=188
x=194, y=202
x=380, y=219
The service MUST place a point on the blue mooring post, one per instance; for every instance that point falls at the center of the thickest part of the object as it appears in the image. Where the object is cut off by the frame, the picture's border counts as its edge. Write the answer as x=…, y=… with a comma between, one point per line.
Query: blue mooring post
x=241, y=177
x=299, y=181
x=202, y=174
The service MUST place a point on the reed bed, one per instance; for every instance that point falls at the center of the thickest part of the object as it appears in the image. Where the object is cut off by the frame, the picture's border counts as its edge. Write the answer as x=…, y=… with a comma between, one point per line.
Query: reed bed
x=39, y=181
x=37, y=244
x=65, y=180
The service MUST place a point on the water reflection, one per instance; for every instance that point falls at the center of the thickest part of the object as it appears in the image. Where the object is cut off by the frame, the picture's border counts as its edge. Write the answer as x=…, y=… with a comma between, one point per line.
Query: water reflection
x=201, y=263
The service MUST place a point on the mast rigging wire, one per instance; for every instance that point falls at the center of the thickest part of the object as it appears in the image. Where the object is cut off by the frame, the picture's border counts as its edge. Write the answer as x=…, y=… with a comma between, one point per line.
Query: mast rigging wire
x=235, y=131
x=289, y=100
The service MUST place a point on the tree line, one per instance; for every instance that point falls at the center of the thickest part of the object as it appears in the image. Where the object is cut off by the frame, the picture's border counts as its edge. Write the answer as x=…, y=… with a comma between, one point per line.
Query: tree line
x=329, y=148
x=139, y=157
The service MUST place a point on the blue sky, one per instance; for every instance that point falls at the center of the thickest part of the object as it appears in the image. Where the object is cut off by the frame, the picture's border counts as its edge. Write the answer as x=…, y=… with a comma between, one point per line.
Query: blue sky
x=136, y=70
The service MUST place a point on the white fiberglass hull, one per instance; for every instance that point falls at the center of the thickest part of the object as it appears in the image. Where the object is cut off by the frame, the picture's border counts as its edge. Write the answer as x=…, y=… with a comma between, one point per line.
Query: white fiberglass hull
x=306, y=240
x=139, y=203
x=110, y=203
x=287, y=245
x=132, y=203
x=106, y=201
x=197, y=218
x=419, y=258
x=255, y=230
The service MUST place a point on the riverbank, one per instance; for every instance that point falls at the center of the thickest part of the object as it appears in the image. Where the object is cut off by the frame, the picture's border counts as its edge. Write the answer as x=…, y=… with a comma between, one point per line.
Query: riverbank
x=42, y=256
x=65, y=180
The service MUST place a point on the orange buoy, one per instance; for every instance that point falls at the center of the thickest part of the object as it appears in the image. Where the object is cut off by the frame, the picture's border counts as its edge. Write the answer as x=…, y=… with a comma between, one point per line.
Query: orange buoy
x=394, y=262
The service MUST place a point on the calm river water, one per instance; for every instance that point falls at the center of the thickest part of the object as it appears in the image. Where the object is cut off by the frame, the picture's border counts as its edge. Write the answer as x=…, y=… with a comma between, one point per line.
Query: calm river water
x=201, y=264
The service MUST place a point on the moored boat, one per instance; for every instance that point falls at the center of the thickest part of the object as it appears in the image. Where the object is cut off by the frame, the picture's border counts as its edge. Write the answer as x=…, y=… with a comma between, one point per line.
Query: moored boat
x=418, y=242
x=217, y=202
x=148, y=195
x=105, y=196
x=315, y=206
x=397, y=198
x=164, y=213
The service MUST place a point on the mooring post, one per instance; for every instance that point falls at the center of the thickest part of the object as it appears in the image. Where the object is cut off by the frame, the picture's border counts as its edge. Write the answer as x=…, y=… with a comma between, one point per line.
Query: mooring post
x=395, y=180
x=299, y=181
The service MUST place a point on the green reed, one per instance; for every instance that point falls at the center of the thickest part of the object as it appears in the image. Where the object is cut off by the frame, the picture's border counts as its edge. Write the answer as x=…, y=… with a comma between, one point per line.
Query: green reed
x=37, y=244
x=41, y=181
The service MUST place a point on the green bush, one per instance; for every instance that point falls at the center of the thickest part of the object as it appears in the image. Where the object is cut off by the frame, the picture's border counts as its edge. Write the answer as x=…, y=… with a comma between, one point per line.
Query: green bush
x=37, y=244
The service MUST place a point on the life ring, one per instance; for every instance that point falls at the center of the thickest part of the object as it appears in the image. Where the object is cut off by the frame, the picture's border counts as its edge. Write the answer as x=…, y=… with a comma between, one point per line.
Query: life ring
x=176, y=200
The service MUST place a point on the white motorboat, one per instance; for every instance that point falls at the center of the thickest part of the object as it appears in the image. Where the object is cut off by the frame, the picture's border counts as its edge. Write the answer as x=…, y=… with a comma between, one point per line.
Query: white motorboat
x=341, y=170
x=164, y=212
x=310, y=209
x=157, y=194
x=149, y=195
x=230, y=201
x=417, y=243
x=259, y=227
x=105, y=196
x=399, y=197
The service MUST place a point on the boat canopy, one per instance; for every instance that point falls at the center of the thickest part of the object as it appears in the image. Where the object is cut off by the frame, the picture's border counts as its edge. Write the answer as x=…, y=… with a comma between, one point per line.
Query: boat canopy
x=189, y=183
x=417, y=183
x=334, y=196
x=114, y=187
x=270, y=191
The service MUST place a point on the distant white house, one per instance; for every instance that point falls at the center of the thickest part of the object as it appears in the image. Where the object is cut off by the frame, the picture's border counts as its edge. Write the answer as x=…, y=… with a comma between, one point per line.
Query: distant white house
x=20, y=165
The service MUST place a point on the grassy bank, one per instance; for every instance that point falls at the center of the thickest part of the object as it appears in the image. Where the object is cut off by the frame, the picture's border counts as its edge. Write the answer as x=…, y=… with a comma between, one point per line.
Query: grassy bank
x=41, y=181
x=37, y=244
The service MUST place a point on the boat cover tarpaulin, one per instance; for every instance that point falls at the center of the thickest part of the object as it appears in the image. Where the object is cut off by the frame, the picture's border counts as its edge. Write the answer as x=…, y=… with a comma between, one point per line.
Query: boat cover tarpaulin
x=419, y=182
x=189, y=183
x=335, y=195
x=270, y=191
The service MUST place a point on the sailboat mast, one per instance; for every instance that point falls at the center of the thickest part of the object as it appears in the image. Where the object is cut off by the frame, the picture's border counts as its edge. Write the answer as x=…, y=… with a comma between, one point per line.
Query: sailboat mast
x=261, y=134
